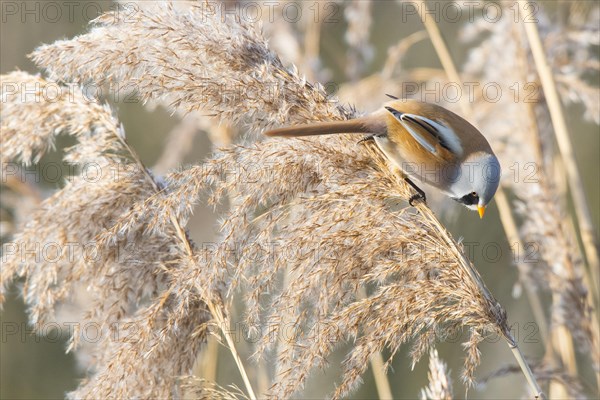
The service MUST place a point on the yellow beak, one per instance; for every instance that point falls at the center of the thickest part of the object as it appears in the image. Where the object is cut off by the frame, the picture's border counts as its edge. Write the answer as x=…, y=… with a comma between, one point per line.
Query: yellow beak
x=481, y=210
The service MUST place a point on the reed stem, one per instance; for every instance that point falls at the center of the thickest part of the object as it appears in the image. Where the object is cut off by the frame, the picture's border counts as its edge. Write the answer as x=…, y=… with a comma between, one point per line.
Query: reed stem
x=538, y=393
x=561, y=132
x=474, y=275
x=215, y=309
x=582, y=211
x=384, y=392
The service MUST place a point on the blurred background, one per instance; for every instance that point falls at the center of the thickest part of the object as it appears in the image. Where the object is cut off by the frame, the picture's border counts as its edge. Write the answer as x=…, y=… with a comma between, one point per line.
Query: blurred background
x=347, y=44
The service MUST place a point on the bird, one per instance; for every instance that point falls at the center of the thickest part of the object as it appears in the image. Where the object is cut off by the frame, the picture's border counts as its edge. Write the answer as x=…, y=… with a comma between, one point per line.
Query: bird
x=428, y=143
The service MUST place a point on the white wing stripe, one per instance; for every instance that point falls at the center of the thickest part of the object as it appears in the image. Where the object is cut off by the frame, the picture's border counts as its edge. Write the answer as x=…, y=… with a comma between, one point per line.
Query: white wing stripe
x=419, y=138
x=447, y=134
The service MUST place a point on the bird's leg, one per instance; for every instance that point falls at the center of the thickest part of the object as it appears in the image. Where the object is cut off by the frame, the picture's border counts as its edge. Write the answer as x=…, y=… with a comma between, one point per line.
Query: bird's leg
x=420, y=195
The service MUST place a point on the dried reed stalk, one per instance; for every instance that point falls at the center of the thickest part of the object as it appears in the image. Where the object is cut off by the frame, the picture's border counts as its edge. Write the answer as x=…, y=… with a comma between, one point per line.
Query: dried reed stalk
x=582, y=212
x=561, y=131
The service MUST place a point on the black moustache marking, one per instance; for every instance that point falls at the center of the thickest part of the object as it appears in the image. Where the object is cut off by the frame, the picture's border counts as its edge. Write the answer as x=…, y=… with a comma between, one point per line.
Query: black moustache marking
x=468, y=199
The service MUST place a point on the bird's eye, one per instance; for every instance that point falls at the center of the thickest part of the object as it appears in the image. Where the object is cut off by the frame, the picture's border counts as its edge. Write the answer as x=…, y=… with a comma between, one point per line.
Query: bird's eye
x=469, y=199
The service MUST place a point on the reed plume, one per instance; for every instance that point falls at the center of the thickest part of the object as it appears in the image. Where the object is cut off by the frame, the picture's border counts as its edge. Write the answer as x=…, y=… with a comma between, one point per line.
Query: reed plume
x=127, y=280
x=317, y=238
x=440, y=383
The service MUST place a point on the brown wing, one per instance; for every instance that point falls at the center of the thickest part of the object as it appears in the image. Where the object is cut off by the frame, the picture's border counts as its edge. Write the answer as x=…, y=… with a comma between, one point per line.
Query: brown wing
x=419, y=141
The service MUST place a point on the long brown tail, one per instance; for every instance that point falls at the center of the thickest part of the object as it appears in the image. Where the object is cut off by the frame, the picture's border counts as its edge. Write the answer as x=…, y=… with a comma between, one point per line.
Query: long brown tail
x=359, y=125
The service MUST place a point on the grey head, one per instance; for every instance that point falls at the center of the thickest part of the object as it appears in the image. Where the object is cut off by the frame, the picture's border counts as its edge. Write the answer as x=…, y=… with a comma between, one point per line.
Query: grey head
x=476, y=181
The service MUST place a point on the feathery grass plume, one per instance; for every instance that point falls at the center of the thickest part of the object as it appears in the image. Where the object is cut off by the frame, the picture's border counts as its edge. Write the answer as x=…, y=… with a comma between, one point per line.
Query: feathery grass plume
x=57, y=251
x=325, y=209
x=191, y=60
x=40, y=118
x=563, y=269
x=295, y=213
x=22, y=95
x=202, y=389
x=440, y=382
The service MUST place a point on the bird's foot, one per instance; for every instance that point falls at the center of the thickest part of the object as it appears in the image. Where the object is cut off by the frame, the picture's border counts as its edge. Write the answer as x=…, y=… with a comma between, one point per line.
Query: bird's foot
x=370, y=138
x=418, y=197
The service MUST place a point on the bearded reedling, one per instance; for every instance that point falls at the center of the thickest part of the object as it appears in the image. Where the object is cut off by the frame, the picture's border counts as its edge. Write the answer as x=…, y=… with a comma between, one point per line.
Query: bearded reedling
x=429, y=144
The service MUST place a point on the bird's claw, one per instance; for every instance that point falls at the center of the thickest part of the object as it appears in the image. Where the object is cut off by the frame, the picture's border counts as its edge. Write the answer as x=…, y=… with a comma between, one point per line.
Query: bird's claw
x=417, y=198
x=369, y=138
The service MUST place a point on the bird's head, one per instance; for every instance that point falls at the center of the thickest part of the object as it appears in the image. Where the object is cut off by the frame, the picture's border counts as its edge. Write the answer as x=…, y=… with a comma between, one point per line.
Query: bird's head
x=476, y=182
